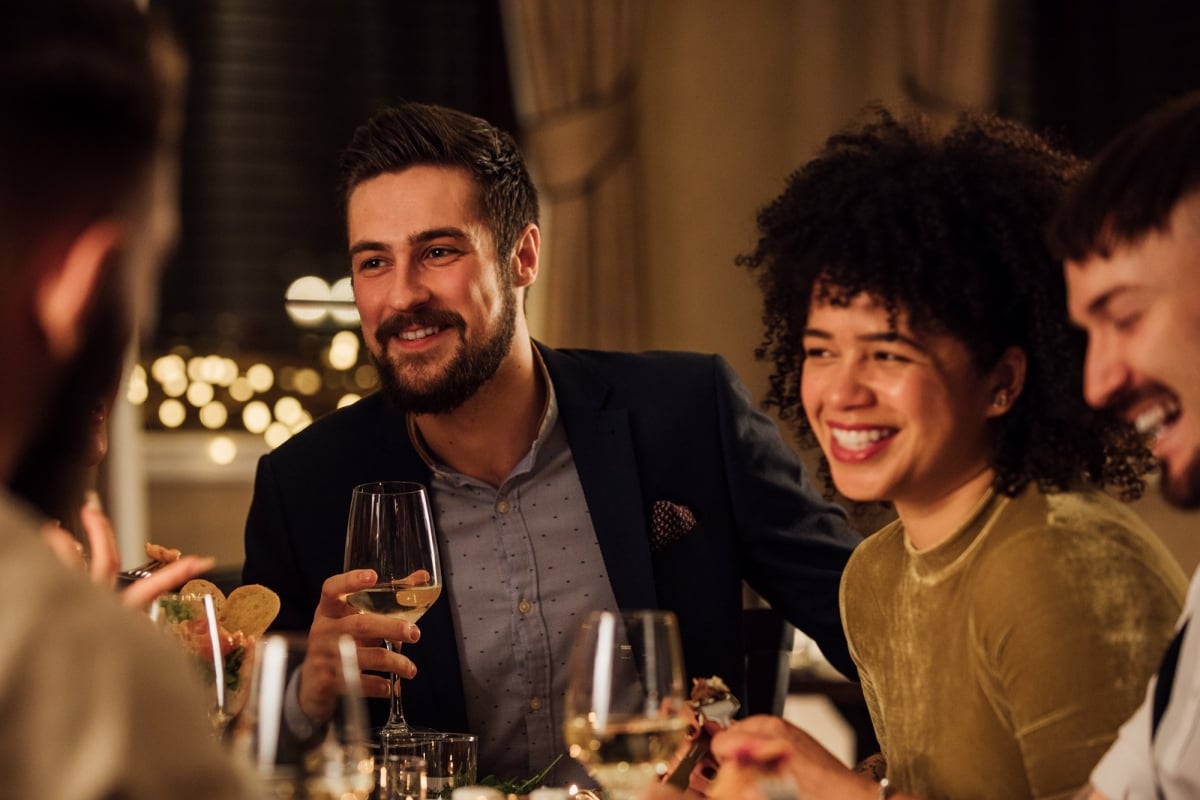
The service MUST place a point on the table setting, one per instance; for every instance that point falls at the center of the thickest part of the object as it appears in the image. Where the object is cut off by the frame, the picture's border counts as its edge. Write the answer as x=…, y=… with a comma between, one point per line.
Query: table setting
x=628, y=718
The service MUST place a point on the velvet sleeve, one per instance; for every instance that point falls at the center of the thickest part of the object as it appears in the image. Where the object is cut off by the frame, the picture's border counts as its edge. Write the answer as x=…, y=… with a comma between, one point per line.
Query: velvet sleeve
x=1069, y=625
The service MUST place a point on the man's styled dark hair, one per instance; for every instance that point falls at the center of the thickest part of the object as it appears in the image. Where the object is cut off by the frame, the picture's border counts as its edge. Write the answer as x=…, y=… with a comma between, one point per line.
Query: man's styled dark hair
x=411, y=134
x=1134, y=183
x=947, y=229
x=85, y=89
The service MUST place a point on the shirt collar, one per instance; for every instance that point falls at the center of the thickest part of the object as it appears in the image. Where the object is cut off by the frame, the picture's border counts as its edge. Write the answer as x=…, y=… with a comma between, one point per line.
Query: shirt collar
x=549, y=420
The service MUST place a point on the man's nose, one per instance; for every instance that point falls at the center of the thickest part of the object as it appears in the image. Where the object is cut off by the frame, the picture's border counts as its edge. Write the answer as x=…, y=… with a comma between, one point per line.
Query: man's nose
x=407, y=290
x=1104, y=371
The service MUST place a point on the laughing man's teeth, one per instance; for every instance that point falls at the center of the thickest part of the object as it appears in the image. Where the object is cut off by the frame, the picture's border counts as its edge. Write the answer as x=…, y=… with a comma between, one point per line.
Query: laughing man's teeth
x=858, y=439
x=1148, y=421
x=1154, y=418
x=420, y=333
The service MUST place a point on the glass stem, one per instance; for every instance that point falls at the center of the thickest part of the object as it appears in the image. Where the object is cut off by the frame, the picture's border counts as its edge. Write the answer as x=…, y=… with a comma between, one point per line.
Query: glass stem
x=396, y=721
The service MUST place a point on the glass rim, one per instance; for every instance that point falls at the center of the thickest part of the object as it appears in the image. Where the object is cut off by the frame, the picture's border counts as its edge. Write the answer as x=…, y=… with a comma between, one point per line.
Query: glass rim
x=389, y=487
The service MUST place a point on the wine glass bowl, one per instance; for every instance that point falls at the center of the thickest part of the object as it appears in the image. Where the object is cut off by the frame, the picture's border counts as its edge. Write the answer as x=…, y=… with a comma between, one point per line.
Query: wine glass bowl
x=290, y=754
x=625, y=699
x=218, y=654
x=390, y=530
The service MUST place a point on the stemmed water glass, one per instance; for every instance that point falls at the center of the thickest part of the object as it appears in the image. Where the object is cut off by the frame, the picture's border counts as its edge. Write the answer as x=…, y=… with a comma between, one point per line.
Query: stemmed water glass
x=625, y=698
x=192, y=621
x=390, y=530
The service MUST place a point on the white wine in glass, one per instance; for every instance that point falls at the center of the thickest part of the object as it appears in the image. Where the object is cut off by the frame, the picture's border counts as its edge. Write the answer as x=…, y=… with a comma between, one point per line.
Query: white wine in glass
x=625, y=698
x=390, y=530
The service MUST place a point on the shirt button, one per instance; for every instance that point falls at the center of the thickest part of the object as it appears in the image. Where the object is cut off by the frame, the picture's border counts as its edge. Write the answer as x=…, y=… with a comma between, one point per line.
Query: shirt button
x=535, y=703
x=524, y=606
x=502, y=506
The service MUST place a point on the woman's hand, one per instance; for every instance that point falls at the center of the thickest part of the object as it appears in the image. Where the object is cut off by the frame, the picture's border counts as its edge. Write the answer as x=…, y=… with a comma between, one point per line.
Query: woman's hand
x=764, y=756
x=106, y=561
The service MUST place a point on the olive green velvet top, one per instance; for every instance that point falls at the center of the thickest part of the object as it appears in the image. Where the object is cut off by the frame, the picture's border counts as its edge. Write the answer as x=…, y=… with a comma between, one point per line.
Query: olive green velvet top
x=1000, y=663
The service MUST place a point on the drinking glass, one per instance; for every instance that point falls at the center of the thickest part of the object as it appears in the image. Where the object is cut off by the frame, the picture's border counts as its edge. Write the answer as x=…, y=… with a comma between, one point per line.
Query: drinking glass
x=291, y=755
x=192, y=621
x=403, y=778
x=390, y=530
x=625, y=698
x=450, y=758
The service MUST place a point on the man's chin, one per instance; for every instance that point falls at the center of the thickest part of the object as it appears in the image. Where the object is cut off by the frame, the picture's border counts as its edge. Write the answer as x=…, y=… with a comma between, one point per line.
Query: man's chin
x=1182, y=489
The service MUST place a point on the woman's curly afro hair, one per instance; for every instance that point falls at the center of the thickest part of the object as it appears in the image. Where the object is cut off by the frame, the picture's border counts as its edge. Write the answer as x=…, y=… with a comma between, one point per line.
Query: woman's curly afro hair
x=948, y=229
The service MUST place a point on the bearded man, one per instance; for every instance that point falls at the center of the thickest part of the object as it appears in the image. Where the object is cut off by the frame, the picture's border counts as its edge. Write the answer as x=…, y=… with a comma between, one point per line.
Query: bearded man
x=562, y=481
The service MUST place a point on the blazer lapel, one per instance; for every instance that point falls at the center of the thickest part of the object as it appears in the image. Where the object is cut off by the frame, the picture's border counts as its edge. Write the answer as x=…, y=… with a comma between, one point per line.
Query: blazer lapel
x=602, y=447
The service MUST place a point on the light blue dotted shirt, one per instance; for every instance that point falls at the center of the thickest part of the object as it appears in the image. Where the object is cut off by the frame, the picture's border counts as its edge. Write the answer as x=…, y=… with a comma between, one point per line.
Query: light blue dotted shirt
x=521, y=568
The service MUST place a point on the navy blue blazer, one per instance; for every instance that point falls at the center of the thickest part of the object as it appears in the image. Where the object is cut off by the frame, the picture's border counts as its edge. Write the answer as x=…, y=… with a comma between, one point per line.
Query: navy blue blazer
x=643, y=428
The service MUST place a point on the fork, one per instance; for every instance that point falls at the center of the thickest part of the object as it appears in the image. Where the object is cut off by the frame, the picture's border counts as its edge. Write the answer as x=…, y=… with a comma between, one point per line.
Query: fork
x=139, y=572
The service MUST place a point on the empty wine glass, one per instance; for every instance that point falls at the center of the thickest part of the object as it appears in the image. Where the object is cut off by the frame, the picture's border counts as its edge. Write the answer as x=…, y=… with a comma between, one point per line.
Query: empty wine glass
x=390, y=530
x=291, y=755
x=625, y=698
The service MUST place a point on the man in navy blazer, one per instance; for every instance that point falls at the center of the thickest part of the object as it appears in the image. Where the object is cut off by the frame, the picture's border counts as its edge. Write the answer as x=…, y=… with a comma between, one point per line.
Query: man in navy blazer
x=654, y=470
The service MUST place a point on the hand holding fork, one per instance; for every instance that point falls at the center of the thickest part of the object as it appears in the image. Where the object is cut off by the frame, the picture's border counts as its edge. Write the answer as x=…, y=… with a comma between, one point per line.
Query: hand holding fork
x=141, y=584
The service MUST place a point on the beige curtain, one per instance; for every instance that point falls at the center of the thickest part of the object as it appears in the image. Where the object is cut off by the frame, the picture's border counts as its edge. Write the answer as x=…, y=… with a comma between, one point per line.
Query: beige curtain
x=574, y=65
x=948, y=54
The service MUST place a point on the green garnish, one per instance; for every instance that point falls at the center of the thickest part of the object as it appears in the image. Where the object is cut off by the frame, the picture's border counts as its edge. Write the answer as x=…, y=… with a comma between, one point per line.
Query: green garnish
x=175, y=610
x=519, y=785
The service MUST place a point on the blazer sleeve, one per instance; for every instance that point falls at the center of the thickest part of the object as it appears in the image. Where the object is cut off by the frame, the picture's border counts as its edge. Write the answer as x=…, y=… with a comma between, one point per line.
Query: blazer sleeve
x=270, y=559
x=794, y=543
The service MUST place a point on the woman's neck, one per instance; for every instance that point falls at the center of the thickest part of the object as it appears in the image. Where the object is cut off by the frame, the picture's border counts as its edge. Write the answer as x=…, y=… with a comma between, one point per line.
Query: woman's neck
x=929, y=523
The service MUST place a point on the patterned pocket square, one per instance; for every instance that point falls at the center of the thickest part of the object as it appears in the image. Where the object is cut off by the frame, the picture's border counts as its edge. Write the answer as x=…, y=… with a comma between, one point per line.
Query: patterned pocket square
x=669, y=522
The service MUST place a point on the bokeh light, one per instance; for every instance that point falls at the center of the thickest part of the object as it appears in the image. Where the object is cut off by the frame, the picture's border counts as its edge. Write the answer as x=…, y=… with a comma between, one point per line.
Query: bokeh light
x=222, y=450
x=276, y=434
x=199, y=393
x=256, y=416
x=343, y=350
x=172, y=413
x=342, y=311
x=261, y=377
x=214, y=415
x=307, y=381
x=307, y=300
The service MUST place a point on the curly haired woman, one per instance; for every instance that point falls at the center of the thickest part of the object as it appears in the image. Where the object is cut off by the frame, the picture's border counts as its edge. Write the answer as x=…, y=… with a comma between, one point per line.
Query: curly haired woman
x=1006, y=623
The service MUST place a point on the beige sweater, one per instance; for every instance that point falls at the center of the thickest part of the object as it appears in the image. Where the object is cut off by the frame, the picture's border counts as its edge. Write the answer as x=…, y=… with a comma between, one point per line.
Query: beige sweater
x=95, y=703
x=1000, y=663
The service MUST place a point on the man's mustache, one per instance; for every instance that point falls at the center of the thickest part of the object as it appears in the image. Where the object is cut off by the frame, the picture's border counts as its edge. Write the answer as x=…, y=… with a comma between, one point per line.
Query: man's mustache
x=422, y=318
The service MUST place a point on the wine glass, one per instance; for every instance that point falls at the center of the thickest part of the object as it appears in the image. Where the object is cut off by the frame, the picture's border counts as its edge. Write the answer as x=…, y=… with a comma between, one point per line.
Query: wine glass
x=390, y=530
x=218, y=654
x=625, y=698
x=290, y=755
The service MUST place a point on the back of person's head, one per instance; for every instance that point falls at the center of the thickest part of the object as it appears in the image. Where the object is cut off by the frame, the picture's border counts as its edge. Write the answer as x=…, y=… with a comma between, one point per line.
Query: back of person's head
x=947, y=228
x=413, y=134
x=89, y=118
x=85, y=87
x=1132, y=186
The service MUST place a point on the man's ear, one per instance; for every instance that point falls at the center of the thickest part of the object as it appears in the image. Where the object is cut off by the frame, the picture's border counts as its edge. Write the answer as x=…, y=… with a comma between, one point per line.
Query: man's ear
x=525, y=256
x=66, y=285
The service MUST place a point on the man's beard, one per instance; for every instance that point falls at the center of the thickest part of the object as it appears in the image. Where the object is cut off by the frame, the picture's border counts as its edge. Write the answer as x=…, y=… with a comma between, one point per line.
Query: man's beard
x=1182, y=491
x=52, y=469
x=471, y=366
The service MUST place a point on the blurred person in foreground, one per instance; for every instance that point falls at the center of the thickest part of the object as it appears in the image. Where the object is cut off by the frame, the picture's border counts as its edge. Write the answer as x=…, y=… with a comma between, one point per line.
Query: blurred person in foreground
x=1004, y=625
x=74, y=524
x=1129, y=232
x=561, y=481
x=96, y=703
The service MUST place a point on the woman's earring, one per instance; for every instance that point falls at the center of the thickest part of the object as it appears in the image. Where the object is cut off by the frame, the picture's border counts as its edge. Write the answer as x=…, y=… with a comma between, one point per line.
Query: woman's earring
x=1000, y=398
